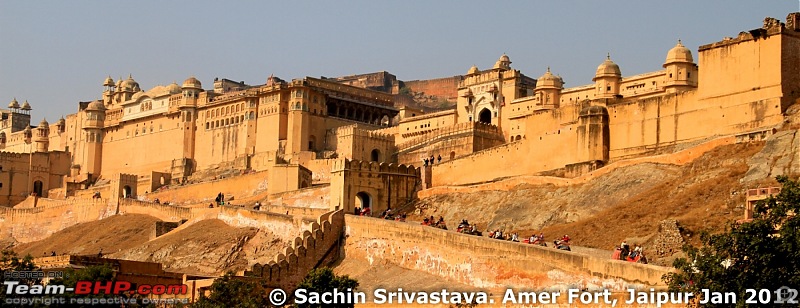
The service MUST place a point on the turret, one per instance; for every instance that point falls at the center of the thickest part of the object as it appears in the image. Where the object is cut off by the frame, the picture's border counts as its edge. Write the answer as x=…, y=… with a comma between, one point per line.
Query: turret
x=681, y=72
x=27, y=134
x=93, y=132
x=13, y=105
x=108, y=90
x=42, y=139
x=607, y=79
x=548, y=90
x=191, y=89
x=503, y=64
x=26, y=107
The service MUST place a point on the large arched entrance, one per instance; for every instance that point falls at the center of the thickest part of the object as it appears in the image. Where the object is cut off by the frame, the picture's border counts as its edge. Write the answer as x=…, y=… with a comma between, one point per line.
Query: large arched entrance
x=485, y=116
x=376, y=155
x=126, y=192
x=38, y=187
x=363, y=200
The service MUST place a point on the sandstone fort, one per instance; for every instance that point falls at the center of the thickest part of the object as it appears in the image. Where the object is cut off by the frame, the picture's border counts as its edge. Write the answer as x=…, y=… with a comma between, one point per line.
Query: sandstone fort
x=312, y=150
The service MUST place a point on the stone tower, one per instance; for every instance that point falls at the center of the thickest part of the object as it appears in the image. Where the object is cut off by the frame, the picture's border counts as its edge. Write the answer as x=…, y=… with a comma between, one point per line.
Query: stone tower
x=607, y=79
x=681, y=72
x=42, y=139
x=548, y=90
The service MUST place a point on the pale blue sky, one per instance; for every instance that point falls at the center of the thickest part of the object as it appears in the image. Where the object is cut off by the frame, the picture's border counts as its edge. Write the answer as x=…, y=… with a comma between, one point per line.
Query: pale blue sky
x=57, y=53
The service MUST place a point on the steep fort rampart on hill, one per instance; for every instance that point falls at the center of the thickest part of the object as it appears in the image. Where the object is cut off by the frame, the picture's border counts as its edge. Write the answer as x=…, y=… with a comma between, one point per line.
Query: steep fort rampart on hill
x=443, y=182
x=33, y=224
x=484, y=262
x=313, y=249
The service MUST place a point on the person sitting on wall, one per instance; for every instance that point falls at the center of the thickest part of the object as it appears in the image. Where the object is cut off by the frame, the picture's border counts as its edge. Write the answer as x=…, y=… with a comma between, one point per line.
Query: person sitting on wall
x=425, y=222
x=366, y=212
x=356, y=210
x=157, y=201
x=515, y=237
x=617, y=253
x=636, y=251
x=211, y=205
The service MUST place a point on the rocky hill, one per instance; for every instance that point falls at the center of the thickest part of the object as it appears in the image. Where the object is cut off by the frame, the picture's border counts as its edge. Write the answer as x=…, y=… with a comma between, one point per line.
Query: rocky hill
x=630, y=203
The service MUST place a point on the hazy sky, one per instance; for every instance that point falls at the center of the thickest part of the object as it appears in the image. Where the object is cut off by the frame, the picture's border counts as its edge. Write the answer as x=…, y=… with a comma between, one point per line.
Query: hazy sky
x=57, y=53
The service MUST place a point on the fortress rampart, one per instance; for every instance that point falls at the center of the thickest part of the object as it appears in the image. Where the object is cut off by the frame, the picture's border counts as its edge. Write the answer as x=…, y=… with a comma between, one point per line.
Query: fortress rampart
x=484, y=262
x=446, y=87
x=33, y=224
x=313, y=249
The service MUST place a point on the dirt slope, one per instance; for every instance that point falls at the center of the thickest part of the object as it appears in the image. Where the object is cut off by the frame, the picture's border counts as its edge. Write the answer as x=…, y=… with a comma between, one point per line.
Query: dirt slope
x=112, y=234
x=207, y=247
x=628, y=203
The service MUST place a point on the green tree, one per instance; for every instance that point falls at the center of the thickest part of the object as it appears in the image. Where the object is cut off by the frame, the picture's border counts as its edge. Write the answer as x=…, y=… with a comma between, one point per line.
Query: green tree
x=10, y=262
x=324, y=280
x=761, y=254
x=230, y=291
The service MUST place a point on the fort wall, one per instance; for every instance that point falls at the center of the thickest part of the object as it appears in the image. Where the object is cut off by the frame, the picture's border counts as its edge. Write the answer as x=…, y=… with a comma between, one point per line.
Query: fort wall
x=161, y=211
x=677, y=158
x=474, y=260
x=315, y=248
x=279, y=224
x=320, y=169
x=446, y=88
x=239, y=186
x=548, y=151
x=314, y=197
x=33, y=224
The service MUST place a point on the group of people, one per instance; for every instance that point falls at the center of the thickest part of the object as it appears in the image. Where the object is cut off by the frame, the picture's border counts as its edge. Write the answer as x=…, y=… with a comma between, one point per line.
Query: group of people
x=362, y=211
x=388, y=214
x=625, y=253
x=500, y=235
x=435, y=223
x=536, y=240
x=431, y=160
x=465, y=227
x=220, y=199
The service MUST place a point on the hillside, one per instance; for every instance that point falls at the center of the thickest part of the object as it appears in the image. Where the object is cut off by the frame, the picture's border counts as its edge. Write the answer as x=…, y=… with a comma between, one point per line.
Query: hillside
x=116, y=233
x=627, y=203
x=208, y=247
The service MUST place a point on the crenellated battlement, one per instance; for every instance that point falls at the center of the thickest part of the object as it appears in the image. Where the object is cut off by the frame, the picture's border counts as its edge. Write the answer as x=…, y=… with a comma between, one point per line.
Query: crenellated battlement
x=305, y=253
x=356, y=130
x=375, y=167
